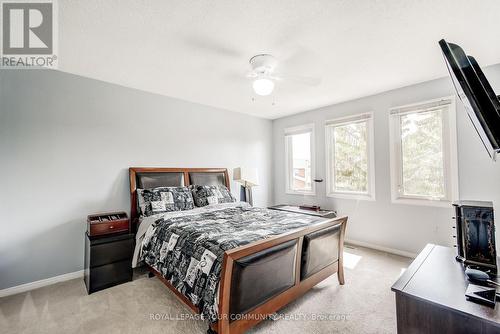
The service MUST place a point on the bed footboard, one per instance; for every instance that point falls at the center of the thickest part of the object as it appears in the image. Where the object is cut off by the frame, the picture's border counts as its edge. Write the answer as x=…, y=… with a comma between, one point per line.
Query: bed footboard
x=320, y=249
x=260, y=278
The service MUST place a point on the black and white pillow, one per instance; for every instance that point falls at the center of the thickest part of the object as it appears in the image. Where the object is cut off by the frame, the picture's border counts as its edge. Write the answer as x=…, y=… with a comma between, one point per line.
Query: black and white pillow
x=164, y=199
x=206, y=195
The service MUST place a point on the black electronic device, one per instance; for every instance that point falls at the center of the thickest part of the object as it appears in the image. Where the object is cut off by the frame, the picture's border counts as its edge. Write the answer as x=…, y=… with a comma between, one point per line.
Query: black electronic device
x=475, y=228
x=477, y=95
x=481, y=294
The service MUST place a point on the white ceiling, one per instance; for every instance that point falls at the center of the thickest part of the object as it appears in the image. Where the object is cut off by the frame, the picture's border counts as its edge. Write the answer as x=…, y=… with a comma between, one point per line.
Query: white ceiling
x=199, y=50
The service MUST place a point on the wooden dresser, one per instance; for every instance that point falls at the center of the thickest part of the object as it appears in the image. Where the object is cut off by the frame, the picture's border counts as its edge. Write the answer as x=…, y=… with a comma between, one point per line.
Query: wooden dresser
x=430, y=297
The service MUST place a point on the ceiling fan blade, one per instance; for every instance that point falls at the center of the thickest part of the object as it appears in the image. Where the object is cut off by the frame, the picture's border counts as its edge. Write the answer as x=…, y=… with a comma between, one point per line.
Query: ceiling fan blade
x=238, y=76
x=251, y=75
x=304, y=80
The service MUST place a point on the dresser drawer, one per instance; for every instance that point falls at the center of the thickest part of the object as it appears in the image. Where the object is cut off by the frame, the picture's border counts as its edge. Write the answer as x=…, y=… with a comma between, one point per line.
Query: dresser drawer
x=108, y=275
x=108, y=252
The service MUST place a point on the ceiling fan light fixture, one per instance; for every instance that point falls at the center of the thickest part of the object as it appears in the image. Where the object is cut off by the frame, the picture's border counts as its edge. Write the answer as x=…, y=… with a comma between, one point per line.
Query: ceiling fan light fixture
x=263, y=86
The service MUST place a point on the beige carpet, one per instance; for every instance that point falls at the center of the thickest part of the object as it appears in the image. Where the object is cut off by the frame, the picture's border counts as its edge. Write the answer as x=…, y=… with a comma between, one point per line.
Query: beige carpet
x=365, y=304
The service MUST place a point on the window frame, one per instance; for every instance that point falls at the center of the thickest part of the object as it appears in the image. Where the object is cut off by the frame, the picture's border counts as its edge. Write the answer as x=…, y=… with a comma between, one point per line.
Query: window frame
x=330, y=157
x=305, y=128
x=450, y=156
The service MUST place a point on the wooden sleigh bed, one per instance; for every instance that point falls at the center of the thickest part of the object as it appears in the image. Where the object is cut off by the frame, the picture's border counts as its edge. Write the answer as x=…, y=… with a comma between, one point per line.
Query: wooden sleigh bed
x=276, y=270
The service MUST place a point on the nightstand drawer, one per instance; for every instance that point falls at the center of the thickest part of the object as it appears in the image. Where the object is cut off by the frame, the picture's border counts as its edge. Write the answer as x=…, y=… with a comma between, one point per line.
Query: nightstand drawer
x=109, y=252
x=110, y=274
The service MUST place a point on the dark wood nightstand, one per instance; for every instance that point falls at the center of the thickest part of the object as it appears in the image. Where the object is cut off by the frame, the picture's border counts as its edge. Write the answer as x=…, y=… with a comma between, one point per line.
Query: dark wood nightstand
x=108, y=260
x=296, y=209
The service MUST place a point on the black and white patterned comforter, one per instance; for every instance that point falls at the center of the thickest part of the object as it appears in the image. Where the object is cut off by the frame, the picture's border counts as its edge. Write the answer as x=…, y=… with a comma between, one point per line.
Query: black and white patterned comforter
x=188, y=249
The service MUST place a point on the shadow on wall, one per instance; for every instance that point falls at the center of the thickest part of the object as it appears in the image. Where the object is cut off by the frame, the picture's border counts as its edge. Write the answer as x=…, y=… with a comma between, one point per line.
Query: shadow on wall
x=59, y=248
x=52, y=252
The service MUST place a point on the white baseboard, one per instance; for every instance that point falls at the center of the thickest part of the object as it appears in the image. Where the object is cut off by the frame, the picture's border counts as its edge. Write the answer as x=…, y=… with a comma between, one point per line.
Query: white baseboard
x=77, y=274
x=381, y=248
x=38, y=284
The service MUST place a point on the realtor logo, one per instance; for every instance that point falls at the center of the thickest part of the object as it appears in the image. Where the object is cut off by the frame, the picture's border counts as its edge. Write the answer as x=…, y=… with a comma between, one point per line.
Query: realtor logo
x=28, y=32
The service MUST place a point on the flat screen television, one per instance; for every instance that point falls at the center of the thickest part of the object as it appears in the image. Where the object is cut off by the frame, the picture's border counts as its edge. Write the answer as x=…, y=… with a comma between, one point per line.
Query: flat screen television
x=479, y=99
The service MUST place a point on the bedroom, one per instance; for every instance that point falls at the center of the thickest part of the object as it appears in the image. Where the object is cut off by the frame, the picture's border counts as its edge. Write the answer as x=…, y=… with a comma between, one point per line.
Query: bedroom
x=171, y=85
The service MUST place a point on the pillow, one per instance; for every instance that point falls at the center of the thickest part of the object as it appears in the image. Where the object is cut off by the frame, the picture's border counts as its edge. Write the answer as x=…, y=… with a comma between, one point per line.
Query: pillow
x=206, y=195
x=164, y=199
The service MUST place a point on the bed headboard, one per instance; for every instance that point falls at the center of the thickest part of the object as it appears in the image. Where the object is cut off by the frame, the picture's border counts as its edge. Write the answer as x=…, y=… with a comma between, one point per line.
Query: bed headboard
x=152, y=177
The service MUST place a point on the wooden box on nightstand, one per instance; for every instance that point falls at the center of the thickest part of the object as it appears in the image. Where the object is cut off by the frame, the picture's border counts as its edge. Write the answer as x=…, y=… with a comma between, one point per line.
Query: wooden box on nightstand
x=108, y=260
x=107, y=223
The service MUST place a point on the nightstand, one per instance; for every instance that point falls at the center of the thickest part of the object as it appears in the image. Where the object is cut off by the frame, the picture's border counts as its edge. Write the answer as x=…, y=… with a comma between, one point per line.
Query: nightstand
x=108, y=260
x=296, y=209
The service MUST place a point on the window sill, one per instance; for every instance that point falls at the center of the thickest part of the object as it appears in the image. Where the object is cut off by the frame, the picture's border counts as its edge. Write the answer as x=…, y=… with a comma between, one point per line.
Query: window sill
x=292, y=192
x=363, y=197
x=422, y=202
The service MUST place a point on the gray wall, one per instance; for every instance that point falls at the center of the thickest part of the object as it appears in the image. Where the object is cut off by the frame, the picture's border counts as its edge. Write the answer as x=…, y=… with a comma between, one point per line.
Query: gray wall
x=66, y=143
x=401, y=227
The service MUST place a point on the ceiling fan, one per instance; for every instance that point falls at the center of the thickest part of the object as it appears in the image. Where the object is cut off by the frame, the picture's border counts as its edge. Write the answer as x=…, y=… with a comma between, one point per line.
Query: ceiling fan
x=264, y=75
x=265, y=69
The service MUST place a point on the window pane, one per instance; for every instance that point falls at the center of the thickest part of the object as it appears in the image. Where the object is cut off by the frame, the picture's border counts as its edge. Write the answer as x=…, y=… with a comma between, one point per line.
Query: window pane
x=422, y=154
x=351, y=157
x=301, y=162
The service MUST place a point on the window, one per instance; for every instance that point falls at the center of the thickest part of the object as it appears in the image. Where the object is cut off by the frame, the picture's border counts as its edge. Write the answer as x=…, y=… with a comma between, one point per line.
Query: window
x=299, y=147
x=424, y=153
x=350, y=167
